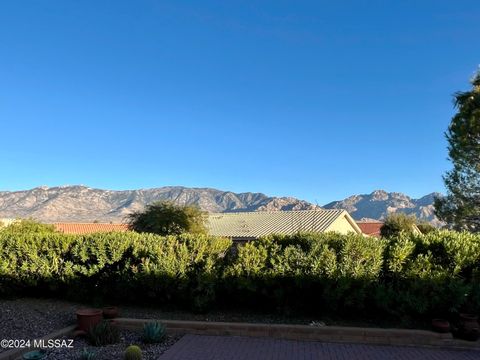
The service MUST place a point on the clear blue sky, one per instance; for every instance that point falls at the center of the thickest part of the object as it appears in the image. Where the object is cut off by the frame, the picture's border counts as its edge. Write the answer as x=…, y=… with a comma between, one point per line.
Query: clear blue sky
x=313, y=99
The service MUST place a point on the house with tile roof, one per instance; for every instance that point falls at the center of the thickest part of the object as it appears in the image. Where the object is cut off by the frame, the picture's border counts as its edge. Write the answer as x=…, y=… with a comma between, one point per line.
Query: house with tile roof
x=245, y=226
x=370, y=228
x=78, y=228
x=89, y=228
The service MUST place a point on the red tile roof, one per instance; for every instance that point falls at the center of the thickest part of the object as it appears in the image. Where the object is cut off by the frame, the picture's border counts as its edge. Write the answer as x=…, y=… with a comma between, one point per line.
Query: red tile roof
x=371, y=228
x=88, y=228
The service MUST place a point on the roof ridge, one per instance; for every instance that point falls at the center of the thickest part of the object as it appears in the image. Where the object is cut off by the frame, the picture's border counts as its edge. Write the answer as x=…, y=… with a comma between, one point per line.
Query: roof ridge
x=274, y=211
x=260, y=223
x=88, y=223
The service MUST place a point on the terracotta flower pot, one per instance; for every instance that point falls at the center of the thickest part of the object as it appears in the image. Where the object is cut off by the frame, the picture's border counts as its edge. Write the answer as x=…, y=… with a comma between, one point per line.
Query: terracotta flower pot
x=441, y=325
x=110, y=312
x=86, y=318
x=469, y=328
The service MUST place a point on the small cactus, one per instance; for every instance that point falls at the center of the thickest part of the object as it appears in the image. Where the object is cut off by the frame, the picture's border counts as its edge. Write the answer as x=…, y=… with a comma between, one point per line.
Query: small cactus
x=133, y=352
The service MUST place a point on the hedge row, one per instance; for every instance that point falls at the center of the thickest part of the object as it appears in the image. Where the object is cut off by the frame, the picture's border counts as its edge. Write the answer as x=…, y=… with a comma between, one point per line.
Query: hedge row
x=411, y=275
x=437, y=274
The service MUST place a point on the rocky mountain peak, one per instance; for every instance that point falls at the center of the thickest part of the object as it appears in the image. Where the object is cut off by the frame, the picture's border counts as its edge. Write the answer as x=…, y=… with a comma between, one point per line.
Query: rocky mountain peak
x=75, y=203
x=80, y=203
x=378, y=204
x=379, y=195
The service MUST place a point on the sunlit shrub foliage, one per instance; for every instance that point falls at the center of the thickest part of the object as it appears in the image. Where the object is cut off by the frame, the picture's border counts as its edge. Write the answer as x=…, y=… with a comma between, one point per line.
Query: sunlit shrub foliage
x=434, y=274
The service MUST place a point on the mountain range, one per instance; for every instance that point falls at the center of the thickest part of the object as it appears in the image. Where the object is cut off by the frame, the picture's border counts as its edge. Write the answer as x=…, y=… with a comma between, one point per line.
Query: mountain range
x=83, y=204
x=378, y=204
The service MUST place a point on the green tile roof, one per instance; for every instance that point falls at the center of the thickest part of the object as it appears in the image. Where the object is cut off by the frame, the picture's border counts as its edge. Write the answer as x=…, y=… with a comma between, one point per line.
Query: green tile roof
x=260, y=223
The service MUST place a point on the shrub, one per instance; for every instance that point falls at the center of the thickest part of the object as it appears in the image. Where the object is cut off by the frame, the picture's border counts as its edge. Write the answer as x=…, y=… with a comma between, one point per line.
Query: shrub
x=133, y=352
x=103, y=333
x=28, y=226
x=183, y=269
x=407, y=275
x=360, y=257
x=305, y=271
x=153, y=332
x=425, y=227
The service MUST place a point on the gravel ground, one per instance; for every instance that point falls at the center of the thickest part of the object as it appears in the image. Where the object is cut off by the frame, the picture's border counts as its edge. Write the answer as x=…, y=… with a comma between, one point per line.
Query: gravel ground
x=33, y=318
x=29, y=318
x=256, y=317
x=41, y=316
x=230, y=316
x=114, y=351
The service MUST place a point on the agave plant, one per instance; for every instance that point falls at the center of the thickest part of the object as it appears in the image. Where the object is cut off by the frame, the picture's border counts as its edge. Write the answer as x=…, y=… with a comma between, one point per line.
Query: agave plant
x=153, y=332
x=87, y=354
x=103, y=333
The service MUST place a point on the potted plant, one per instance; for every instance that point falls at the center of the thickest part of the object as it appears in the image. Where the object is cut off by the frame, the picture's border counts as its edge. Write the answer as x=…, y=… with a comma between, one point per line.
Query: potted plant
x=441, y=325
x=469, y=328
x=87, y=318
x=110, y=312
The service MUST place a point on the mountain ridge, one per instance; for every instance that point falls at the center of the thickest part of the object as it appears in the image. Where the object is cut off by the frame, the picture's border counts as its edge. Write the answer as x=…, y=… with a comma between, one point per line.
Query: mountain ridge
x=379, y=203
x=80, y=203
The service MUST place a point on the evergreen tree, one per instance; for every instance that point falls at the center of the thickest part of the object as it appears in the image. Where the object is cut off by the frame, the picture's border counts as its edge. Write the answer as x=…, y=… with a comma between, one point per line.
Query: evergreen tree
x=460, y=209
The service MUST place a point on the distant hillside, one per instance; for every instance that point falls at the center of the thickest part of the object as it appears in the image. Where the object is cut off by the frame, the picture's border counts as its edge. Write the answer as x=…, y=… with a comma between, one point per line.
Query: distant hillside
x=80, y=203
x=379, y=203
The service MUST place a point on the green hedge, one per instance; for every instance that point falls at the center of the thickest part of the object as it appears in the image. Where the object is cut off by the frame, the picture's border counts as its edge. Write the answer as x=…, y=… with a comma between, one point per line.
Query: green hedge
x=134, y=267
x=410, y=275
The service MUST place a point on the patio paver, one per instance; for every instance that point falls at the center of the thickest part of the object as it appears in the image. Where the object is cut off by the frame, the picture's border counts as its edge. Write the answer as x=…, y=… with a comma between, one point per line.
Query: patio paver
x=201, y=347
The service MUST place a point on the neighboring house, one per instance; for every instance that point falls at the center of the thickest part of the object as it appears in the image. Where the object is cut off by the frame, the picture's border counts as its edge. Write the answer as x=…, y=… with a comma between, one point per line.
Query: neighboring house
x=78, y=228
x=416, y=230
x=370, y=228
x=89, y=228
x=245, y=226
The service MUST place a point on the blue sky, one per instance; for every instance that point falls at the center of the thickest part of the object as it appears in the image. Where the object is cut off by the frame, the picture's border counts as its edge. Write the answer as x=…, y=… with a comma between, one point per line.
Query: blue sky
x=313, y=99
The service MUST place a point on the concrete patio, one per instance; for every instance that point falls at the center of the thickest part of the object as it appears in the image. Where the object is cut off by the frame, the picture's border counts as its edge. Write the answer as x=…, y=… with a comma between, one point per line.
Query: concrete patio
x=203, y=347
